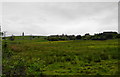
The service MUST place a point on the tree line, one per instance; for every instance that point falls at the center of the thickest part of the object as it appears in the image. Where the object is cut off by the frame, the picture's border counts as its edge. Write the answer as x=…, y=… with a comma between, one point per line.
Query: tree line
x=87, y=36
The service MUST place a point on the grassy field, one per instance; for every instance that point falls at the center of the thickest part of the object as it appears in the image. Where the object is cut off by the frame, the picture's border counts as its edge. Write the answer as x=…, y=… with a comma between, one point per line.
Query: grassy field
x=37, y=56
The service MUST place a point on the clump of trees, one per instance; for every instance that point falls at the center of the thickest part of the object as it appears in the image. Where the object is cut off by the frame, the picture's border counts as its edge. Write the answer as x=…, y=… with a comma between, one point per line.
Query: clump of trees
x=87, y=36
x=61, y=37
x=105, y=36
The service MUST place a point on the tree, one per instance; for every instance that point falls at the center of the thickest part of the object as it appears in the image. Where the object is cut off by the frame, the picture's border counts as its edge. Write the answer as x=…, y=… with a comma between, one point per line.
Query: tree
x=118, y=36
x=110, y=35
x=1, y=33
x=87, y=36
x=78, y=37
x=23, y=34
x=71, y=37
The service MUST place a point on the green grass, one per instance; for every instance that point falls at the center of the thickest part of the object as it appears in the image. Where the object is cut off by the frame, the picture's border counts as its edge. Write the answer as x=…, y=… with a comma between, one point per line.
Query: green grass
x=42, y=57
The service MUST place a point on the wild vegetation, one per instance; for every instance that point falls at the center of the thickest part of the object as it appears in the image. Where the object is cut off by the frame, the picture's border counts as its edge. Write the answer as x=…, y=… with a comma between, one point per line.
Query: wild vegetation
x=35, y=55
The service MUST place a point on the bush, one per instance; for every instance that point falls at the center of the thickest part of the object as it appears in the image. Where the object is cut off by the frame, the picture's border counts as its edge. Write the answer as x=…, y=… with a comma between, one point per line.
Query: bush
x=104, y=56
x=12, y=38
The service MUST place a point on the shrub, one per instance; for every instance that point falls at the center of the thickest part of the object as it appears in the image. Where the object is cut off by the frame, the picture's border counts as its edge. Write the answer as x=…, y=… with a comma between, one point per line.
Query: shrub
x=12, y=38
x=104, y=56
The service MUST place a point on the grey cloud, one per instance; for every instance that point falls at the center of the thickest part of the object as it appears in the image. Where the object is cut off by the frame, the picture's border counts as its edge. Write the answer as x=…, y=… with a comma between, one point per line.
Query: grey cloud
x=61, y=17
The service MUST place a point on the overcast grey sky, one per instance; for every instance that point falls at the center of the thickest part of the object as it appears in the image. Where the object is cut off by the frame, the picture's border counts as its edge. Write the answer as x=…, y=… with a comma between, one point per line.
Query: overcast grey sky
x=46, y=18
